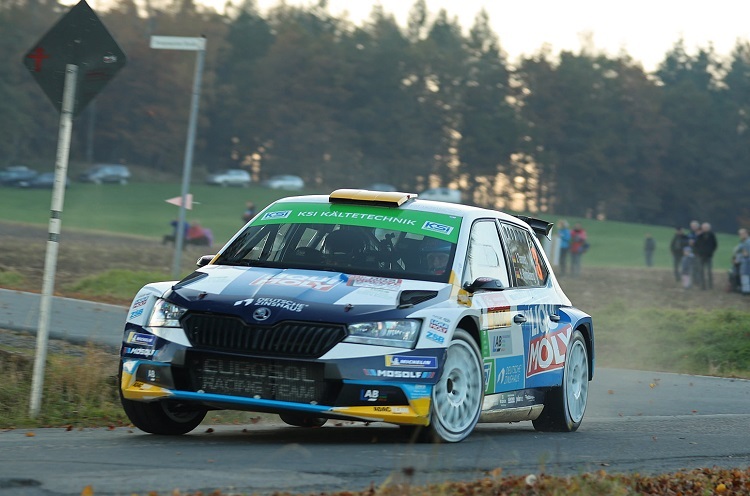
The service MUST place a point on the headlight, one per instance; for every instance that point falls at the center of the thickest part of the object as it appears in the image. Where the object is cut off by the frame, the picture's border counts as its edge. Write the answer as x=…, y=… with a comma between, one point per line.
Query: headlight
x=165, y=314
x=399, y=333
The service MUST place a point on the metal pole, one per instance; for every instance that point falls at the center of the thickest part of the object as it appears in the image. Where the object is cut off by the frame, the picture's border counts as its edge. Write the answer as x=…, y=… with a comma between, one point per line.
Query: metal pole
x=55, y=221
x=187, y=168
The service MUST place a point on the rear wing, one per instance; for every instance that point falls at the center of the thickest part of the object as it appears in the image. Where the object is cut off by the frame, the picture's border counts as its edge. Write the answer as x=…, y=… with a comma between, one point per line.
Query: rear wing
x=539, y=226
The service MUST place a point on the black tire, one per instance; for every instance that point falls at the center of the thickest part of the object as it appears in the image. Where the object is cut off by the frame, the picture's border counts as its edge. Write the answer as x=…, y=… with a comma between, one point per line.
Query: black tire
x=564, y=406
x=302, y=420
x=458, y=395
x=163, y=417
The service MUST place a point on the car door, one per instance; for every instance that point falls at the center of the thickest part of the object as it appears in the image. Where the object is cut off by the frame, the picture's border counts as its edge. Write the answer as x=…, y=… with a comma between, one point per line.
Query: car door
x=501, y=336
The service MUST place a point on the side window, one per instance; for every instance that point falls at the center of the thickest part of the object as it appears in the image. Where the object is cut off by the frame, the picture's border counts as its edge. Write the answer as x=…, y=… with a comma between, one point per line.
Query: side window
x=485, y=254
x=526, y=263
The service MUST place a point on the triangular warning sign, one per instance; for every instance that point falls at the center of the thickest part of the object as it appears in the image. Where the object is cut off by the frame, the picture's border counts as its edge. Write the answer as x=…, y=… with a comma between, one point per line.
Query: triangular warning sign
x=177, y=200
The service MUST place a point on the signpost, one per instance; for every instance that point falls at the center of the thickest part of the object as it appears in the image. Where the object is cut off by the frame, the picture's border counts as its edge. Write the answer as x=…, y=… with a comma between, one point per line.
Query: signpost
x=198, y=45
x=72, y=63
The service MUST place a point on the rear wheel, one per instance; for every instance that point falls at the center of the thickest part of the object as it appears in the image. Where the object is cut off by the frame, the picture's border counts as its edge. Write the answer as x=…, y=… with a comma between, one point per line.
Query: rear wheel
x=457, y=397
x=564, y=406
x=302, y=420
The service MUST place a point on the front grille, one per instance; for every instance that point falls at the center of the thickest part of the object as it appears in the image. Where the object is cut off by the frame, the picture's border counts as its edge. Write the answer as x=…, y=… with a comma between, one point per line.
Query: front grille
x=285, y=339
x=268, y=379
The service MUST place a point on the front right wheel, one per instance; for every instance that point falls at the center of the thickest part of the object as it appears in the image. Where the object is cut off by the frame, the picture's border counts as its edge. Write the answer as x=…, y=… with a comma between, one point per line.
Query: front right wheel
x=565, y=405
x=458, y=395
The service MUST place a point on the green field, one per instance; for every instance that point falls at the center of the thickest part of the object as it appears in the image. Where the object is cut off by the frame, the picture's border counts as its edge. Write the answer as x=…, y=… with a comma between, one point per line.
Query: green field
x=141, y=209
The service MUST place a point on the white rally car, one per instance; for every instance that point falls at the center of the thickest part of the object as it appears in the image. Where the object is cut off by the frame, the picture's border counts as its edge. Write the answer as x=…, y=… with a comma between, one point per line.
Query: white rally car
x=367, y=306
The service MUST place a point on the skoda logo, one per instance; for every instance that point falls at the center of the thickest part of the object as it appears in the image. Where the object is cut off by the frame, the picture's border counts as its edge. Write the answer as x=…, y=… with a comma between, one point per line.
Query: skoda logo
x=261, y=313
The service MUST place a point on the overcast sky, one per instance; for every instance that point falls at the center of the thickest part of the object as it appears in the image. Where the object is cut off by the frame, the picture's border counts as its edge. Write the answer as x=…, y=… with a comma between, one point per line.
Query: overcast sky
x=645, y=29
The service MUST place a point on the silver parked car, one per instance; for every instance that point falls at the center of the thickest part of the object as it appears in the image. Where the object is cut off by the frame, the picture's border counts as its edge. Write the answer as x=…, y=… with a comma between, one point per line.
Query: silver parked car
x=284, y=181
x=106, y=173
x=230, y=177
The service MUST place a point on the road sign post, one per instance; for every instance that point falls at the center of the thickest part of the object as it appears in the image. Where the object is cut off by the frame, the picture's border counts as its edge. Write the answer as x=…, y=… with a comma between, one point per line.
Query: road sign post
x=72, y=63
x=199, y=46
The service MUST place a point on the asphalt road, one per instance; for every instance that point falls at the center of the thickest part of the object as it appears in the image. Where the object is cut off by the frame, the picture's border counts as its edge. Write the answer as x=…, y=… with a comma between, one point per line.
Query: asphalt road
x=647, y=422
x=76, y=321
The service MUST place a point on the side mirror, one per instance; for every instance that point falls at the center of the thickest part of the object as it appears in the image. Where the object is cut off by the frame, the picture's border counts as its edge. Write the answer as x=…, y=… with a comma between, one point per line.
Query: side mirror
x=484, y=284
x=203, y=261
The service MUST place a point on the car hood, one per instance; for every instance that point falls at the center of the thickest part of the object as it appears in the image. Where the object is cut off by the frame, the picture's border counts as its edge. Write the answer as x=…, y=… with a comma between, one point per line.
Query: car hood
x=269, y=295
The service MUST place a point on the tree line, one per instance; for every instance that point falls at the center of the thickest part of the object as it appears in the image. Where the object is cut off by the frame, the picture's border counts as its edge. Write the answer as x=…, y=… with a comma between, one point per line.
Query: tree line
x=298, y=90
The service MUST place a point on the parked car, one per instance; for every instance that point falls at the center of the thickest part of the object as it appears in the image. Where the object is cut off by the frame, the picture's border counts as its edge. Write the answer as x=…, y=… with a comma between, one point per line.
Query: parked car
x=284, y=181
x=230, y=177
x=381, y=187
x=106, y=173
x=442, y=194
x=43, y=180
x=11, y=175
x=364, y=306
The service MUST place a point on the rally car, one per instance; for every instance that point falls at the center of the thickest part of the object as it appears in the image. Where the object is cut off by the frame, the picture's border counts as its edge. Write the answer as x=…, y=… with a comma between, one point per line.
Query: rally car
x=366, y=306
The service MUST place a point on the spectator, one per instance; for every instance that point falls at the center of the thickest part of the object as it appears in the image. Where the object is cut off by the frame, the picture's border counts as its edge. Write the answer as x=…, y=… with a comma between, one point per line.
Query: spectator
x=563, y=235
x=172, y=238
x=249, y=212
x=686, y=267
x=578, y=246
x=742, y=261
x=649, y=247
x=676, y=246
x=199, y=235
x=695, y=230
x=704, y=248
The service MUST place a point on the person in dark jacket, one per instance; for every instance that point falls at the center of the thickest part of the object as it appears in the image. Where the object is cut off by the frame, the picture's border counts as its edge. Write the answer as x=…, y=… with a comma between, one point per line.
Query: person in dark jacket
x=704, y=248
x=676, y=247
x=649, y=247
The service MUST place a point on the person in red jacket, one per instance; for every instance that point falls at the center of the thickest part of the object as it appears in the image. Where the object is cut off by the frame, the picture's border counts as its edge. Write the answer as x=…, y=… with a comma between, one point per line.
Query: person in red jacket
x=578, y=246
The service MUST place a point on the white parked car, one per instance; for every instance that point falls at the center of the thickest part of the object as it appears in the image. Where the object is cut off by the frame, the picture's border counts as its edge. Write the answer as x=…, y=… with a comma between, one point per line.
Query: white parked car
x=284, y=181
x=365, y=306
x=230, y=177
x=442, y=194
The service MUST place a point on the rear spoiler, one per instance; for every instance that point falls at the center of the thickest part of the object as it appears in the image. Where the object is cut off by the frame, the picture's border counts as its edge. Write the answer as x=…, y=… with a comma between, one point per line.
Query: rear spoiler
x=539, y=226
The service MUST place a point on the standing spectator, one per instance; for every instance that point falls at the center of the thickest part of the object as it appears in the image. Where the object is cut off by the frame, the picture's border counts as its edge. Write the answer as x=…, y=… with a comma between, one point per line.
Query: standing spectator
x=249, y=212
x=704, y=248
x=564, y=236
x=578, y=246
x=695, y=230
x=649, y=247
x=686, y=267
x=676, y=246
x=742, y=260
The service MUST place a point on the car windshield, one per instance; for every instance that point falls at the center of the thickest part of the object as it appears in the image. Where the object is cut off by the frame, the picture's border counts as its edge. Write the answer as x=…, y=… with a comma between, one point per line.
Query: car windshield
x=351, y=239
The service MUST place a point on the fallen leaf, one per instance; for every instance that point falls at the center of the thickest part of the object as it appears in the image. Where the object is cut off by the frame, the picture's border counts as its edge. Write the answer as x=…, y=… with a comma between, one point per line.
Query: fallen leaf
x=87, y=491
x=30, y=434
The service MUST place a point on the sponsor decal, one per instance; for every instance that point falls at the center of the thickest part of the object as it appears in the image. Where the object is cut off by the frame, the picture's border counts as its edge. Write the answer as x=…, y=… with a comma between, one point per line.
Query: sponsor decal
x=401, y=374
x=290, y=305
x=493, y=302
x=138, y=338
x=437, y=227
x=440, y=324
x=433, y=336
x=372, y=395
x=417, y=391
x=319, y=283
x=373, y=282
x=281, y=214
x=547, y=352
x=410, y=361
x=487, y=376
x=139, y=302
x=382, y=408
x=144, y=352
x=500, y=343
x=261, y=314
x=508, y=376
x=135, y=314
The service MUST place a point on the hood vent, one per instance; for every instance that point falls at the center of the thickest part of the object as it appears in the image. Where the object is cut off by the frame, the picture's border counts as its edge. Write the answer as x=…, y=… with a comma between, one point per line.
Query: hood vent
x=409, y=298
